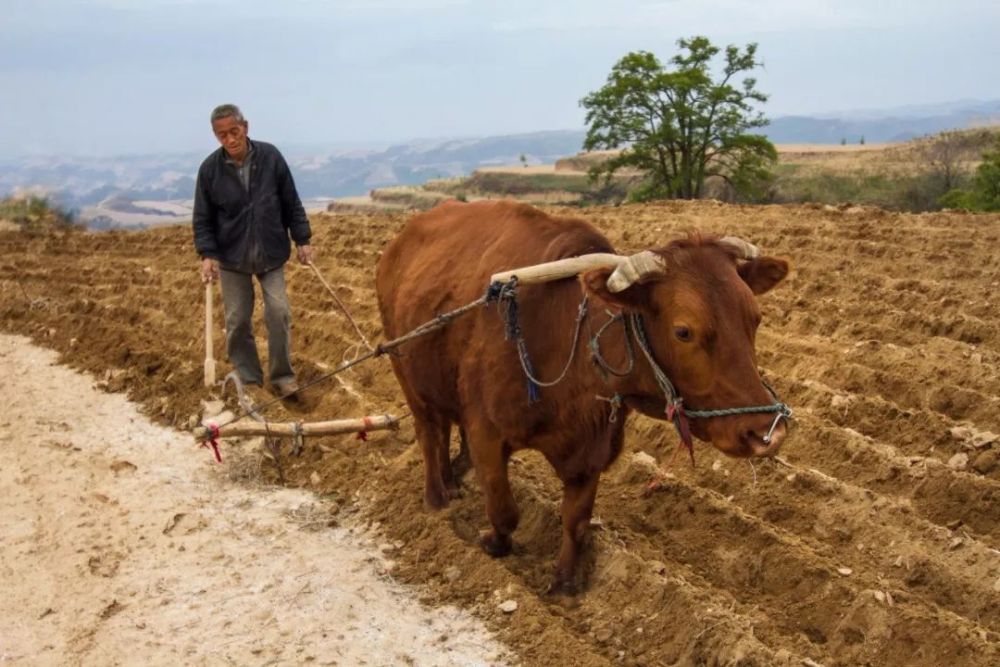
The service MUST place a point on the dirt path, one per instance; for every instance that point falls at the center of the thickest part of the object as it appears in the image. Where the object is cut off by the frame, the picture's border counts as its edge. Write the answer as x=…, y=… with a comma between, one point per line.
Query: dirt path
x=123, y=545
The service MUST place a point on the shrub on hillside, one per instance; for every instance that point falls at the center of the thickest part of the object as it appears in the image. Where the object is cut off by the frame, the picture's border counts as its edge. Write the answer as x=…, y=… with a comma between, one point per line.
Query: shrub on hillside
x=984, y=194
x=36, y=214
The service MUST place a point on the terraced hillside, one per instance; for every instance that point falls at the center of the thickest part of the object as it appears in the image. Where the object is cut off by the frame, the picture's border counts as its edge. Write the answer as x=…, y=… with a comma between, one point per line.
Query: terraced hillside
x=874, y=541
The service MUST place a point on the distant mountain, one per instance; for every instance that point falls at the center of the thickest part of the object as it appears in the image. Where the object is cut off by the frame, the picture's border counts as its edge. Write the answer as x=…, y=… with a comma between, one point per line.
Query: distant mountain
x=338, y=175
x=888, y=125
x=77, y=182
x=84, y=183
x=957, y=107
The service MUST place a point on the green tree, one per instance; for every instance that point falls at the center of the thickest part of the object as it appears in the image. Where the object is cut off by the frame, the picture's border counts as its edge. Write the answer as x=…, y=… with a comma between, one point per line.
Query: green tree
x=678, y=125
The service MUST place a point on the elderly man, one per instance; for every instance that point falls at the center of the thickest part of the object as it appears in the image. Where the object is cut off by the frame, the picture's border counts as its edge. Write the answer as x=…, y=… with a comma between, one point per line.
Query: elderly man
x=245, y=208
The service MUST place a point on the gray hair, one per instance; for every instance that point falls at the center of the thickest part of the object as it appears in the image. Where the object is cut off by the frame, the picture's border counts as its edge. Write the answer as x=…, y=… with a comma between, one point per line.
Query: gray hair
x=225, y=111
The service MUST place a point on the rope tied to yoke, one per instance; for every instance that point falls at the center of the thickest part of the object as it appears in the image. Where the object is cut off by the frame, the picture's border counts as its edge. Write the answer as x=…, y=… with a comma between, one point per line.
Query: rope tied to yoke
x=598, y=358
x=506, y=296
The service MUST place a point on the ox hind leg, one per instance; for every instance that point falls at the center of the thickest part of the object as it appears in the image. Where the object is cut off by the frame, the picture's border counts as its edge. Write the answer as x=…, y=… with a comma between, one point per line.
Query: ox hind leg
x=489, y=458
x=433, y=434
x=452, y=470
x=577, y=508
x=462, y=463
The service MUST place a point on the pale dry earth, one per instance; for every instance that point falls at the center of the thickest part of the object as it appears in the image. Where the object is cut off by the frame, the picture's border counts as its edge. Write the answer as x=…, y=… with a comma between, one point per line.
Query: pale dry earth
x=123, y=545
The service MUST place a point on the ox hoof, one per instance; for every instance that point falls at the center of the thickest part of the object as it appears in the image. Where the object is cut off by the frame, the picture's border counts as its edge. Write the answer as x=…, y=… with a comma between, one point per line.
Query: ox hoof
x=436, y=501
x=495, y=545
x=563, y=588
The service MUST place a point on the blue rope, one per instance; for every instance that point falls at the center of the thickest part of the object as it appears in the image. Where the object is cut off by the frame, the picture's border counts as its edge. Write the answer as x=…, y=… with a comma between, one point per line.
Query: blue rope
x=506, y=296
x=534, y=391
x=493, y=291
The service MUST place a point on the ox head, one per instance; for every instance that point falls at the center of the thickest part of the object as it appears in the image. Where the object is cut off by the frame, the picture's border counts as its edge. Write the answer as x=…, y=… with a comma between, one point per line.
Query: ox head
x=697, y=300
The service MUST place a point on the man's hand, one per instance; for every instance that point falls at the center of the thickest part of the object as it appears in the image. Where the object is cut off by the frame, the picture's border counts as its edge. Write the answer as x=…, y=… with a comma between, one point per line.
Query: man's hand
x=209, y=270
x=305, y=253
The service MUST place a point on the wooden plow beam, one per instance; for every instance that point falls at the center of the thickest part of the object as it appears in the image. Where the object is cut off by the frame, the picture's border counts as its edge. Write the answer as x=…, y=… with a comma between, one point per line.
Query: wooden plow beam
x=303, y=429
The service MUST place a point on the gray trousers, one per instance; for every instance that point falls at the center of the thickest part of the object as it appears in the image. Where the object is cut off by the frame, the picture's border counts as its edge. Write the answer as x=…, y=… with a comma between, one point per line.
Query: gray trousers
x=238, y=300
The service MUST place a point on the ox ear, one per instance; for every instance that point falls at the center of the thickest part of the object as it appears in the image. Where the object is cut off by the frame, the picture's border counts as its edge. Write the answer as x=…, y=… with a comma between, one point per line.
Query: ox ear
x=763, y=273
x=595, y=284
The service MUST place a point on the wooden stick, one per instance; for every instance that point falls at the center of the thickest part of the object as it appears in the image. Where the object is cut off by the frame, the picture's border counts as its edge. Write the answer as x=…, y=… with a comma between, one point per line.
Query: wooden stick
x=365, y=424
x=562, y=268
x=209, y=352
x=340, y=304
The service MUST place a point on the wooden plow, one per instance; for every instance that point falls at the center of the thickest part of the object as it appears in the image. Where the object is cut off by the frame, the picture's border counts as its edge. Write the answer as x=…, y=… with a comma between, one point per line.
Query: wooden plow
x=209, y=433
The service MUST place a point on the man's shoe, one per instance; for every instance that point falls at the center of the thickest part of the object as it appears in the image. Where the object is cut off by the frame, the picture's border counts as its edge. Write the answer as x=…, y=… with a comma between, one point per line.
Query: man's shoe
x=286, y=388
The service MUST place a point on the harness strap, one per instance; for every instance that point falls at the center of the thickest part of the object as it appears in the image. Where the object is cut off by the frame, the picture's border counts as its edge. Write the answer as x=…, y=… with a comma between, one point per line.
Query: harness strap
x=598, y=358
x=507, y=296
x=675, y=410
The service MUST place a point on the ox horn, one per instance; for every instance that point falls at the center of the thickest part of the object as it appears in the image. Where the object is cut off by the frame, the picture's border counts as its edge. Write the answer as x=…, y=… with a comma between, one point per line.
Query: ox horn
x=744, y=249
x=635, y=268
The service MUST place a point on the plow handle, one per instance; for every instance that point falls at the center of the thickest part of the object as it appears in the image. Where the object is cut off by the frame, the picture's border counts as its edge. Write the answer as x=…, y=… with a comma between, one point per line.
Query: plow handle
x=209, y=353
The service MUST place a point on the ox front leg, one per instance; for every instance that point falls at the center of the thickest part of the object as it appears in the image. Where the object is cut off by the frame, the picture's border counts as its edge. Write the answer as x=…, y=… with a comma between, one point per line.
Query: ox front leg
x=489, y=458
x=577, y=508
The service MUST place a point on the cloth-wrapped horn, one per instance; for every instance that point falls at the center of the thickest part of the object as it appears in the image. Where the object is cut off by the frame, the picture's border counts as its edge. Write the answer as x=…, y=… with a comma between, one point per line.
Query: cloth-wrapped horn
x=635, y=268
x=744, y=249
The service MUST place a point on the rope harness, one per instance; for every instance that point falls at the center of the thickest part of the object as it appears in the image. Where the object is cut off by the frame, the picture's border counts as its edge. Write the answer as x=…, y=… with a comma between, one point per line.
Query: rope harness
x=506, y=296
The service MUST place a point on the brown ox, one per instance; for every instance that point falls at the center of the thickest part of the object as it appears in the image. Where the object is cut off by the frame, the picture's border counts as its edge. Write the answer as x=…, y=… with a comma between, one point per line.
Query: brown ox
x=700, y=316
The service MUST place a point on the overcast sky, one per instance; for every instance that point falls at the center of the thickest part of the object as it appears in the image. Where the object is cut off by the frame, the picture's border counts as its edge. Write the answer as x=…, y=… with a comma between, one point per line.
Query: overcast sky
x=98, y=77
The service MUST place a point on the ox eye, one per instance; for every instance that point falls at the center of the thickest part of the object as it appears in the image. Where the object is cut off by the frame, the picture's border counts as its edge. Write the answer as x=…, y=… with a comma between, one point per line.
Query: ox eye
x=683, y=334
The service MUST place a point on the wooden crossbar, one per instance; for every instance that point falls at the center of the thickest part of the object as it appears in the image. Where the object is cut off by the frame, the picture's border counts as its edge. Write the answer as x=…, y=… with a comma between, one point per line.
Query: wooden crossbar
x=288, y=429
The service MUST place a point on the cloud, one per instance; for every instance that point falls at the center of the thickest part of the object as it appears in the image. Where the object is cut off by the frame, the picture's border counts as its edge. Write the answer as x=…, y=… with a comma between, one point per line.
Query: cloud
x=102, y=73
x=687, y=17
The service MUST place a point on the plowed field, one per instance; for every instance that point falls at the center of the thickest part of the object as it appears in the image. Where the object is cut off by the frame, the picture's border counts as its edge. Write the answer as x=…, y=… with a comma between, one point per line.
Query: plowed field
x=875, y=543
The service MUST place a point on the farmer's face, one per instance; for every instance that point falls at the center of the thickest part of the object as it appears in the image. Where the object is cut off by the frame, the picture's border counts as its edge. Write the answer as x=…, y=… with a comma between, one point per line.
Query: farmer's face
x=232, y=134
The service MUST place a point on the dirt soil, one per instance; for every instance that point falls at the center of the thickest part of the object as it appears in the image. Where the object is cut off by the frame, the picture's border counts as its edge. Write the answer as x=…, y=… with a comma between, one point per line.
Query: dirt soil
x=875, y=543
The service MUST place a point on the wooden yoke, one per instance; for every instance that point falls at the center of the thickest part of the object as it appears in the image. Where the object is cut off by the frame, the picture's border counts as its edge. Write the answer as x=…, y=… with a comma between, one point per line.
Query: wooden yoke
x=559, y=269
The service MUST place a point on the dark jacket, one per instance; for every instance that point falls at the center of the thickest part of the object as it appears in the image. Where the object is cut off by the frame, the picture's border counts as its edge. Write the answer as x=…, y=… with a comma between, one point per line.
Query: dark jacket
x=248, y=231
